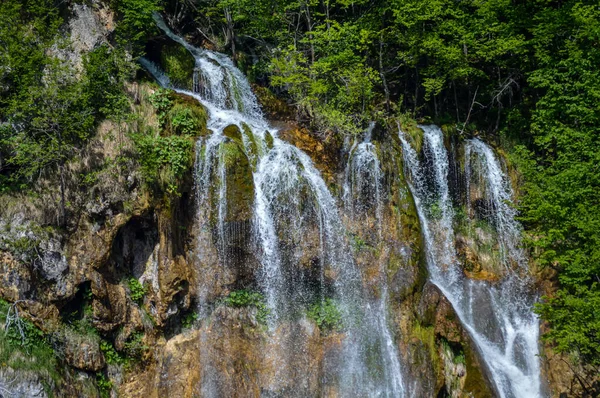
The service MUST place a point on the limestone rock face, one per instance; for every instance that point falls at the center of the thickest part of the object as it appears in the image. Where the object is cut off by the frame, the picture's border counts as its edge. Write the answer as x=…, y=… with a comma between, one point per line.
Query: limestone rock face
x=83, y=353
x=21, y=384
x=89, y=27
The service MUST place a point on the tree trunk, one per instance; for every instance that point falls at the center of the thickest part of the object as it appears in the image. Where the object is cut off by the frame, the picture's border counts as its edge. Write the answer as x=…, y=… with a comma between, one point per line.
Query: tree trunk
x=386, y=90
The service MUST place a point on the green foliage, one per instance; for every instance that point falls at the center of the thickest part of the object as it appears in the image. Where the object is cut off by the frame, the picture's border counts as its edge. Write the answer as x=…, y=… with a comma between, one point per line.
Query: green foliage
x=186, y=120
x=164, y=160
x=136, y=290
x=28, y=29
x=326, y=315
x=111, y=355
x=560, y=208
x=135, y=24
x=189, y=320
x=178, y=64
x=162, y=101
x=134, y=347
x=104, y=385
x=106, y=70
x=245, y=298
x=23, y=346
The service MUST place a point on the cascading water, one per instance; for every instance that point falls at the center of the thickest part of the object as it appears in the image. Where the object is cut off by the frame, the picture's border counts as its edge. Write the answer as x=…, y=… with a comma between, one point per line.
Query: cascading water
x=363, y=200
x=497, y=316
x=295, y=217
x=482, y=166
x=362, y=182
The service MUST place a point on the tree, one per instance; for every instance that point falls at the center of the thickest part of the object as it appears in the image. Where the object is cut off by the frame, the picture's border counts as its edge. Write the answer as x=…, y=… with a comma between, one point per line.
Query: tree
x=47, y=126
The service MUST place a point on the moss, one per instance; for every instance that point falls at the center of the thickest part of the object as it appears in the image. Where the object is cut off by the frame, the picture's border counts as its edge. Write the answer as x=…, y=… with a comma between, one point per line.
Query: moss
x=239, y=182
x=475, y=383
x=196, y=111
x=178, y=64
x=272, y=105
x=413, y=132
x=232, y=131
x=253, y=149
x=268, y=140
x=426, y=334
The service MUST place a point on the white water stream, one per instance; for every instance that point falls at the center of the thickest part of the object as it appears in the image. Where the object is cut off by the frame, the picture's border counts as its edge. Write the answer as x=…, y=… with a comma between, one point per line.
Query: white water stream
x=498, y=316
x=292, y=206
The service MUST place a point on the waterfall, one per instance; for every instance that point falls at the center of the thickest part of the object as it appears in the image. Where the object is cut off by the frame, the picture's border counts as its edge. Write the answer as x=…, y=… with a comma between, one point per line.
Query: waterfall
x=299, y=236
x=498, y=316
x=362, y=182
x=481, y=165
x=363, y=199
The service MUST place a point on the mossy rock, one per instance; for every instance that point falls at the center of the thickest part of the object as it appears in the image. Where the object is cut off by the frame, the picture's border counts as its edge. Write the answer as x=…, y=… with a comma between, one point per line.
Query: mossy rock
x=476, y=382
x=412, y=131
x=186, y=116
x=269, y=140
x=232, y=131
x=239, y=182
x=178, y=64
x=187, y=120
x=274, y=107
x=253, y=148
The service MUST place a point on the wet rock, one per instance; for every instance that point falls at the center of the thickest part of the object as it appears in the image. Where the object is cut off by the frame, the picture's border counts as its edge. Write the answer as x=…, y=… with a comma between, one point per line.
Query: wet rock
x=83, y=352
x=232, y=131
x=323, y=152
x=405, y=282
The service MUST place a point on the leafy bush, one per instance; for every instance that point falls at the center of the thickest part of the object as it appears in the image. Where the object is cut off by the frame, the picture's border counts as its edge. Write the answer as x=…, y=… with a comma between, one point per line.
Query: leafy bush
x=104, y=385
x=134, y=347
x=106, y=71
x=136, y=23
x=136, y=290
x=245, y=298
x=111, y=355
x=186, y=120
x=164, y=160
x=162, y=101
x=326, y=315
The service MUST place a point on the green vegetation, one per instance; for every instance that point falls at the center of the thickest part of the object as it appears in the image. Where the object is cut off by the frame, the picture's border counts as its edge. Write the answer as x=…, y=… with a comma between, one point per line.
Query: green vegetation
x=111, y=355
x=134, y=348
x=136, y=290
x=245, y=298
x=104, y=385
x=178, y=64
x=164, y=160
x=166, y=156
x=326, y=315
x=189, y=320
x=23, y=346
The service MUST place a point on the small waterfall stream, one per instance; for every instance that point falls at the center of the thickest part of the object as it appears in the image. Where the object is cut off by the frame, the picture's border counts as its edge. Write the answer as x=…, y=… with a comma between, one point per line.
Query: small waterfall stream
x=294, y=216
x=364, y=200
x=498, y=316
